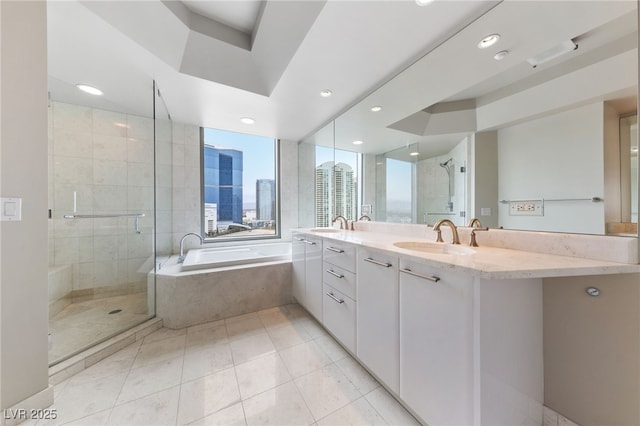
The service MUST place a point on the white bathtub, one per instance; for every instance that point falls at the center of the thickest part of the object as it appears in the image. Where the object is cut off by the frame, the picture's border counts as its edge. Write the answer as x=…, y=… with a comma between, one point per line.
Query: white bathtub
x=236, y=255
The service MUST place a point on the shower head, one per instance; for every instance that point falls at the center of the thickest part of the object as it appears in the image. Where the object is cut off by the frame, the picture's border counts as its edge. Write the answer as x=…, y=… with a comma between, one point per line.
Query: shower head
x=446, y=163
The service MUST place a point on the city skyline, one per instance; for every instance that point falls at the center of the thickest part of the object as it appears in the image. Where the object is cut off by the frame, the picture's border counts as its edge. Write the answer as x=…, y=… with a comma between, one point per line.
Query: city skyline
x=258, y=158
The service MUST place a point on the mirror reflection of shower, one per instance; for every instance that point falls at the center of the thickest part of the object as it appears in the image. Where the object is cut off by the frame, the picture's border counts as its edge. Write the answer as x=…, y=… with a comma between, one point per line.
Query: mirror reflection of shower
x=449, y=167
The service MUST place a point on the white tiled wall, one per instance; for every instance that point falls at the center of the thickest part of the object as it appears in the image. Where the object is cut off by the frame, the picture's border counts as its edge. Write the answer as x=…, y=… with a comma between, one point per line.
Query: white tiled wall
x=106, y=158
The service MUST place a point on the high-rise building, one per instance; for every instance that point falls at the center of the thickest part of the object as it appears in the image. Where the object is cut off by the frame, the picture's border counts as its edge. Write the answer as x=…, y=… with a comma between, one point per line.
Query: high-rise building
x=223, y=182
x=265, y=199
x=336, y=192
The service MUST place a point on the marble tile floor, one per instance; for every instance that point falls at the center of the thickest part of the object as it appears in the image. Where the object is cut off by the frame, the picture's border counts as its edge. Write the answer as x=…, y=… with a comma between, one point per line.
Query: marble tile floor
x=82, y=324
x=273, y=367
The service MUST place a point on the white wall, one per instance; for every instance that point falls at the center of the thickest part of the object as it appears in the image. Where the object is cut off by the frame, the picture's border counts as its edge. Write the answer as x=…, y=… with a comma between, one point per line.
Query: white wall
x=23, y=173
x=559, y=156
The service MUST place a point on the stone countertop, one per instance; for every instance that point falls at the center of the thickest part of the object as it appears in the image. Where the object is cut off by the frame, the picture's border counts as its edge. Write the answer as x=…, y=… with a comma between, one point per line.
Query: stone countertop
x=485, y=262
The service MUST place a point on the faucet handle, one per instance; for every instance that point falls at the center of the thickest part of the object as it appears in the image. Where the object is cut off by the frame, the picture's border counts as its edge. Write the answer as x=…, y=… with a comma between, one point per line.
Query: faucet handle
x=439, y=237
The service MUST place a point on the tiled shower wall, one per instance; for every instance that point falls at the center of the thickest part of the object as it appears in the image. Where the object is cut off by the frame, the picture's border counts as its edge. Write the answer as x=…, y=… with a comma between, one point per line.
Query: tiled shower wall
x=107, y=159
x=433, y=184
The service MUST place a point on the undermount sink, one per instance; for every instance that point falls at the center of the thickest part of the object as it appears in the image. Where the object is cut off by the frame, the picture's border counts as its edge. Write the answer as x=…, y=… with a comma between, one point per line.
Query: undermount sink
x=327, y=230
x=437, y=248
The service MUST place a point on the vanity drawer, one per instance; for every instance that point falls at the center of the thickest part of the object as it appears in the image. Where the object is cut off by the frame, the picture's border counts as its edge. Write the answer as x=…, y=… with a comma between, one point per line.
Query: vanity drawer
x=340, y=254
x=339, y=316
x=340, y=279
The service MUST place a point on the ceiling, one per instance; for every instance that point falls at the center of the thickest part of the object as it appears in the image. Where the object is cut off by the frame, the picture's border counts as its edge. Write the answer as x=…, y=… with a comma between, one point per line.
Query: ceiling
x=459, y=89
x=216, y=62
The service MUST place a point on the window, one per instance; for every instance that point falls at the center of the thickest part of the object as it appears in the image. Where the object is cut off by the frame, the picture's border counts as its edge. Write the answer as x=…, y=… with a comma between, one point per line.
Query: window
x=240, y=185
x=337, y=185
x=399, y=204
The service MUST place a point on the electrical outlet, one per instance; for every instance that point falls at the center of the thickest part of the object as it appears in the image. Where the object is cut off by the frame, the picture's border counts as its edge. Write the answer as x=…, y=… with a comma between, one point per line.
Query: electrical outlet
x=485, y=211
x=526, y=208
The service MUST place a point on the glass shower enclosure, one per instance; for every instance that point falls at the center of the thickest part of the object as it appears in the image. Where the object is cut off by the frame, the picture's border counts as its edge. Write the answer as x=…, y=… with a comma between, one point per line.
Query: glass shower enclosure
x=101, y=219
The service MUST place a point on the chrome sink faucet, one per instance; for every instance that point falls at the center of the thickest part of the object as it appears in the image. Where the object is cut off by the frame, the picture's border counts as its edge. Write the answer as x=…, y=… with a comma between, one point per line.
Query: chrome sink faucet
x=181, y=257
x=454, y=231
x=343, y=222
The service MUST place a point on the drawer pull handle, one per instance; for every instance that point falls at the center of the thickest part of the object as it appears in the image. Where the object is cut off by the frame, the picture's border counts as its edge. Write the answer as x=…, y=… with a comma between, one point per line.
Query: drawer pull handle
x=335, y=274
x=335, y=250
x=335, y=298
x=309, y=242
x=415, y=274
x=376, y=262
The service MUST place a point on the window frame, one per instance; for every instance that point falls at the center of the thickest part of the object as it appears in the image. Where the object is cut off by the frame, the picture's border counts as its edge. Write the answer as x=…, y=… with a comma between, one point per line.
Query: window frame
x=244, y=239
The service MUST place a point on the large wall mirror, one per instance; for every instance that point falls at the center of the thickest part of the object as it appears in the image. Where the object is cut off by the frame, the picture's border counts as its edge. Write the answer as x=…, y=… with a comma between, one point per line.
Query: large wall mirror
x=536, y=132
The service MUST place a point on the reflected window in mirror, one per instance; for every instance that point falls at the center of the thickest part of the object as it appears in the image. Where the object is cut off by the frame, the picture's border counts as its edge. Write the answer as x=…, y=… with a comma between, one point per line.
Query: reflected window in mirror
x=399, y=208
x=337, y=185
x=628, y=175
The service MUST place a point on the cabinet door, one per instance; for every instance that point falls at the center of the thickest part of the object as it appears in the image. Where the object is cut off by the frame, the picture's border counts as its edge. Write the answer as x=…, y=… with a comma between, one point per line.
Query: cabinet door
x=377, y=315
x=298, y=247
x=313, y=276
x=340, y=316
x=436, y=344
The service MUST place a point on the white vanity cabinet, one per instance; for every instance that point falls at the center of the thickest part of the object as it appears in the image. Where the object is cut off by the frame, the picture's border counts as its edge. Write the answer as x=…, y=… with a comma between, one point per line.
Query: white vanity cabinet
x=339, y=305
x=377, y=314
x=307, y=272
x=436, y=343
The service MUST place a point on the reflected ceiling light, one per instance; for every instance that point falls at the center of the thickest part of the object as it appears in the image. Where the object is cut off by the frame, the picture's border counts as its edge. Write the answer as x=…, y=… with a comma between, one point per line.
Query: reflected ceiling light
x=247, y=120
x=358, y=142
x=121, y=125
x=488, y=41
x=376, y=108
x=423, y=2
x=554, y=52
x=634, y=149
x=500, y=55
x=326, y=93
x=89, y=89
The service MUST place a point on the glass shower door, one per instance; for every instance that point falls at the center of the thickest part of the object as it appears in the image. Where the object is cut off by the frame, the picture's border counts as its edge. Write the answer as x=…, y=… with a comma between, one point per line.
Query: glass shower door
x=102, y=223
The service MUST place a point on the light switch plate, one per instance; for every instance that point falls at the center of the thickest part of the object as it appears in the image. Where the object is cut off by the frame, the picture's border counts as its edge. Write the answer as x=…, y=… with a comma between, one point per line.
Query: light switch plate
x=10, y=209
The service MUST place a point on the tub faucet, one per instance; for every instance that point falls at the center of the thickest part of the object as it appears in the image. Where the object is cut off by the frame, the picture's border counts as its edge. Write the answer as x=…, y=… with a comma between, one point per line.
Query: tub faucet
x=454, y=231
x=343, y=222
x=181, y=257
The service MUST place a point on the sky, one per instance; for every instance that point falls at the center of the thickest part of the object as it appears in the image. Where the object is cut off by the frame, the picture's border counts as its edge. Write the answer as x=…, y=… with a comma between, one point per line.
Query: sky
x=258, y=158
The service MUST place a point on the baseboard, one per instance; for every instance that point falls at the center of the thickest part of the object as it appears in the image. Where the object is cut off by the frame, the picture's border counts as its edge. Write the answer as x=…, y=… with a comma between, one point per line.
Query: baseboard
x=36, y=407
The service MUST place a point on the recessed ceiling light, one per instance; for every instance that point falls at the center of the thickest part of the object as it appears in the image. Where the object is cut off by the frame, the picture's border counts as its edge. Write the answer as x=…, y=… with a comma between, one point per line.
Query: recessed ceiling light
x=414, y=153
x=489, y=40
x=423, y=2
x=121, y=125
x=247, y=120
x=358, y=142
x=376, y=108
x=500, y=55
x=326, y=93
x=89, y=89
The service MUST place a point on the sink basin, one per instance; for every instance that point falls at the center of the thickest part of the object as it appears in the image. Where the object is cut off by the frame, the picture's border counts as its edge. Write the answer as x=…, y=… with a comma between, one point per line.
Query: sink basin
x=326, y=230
x=437, y=248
